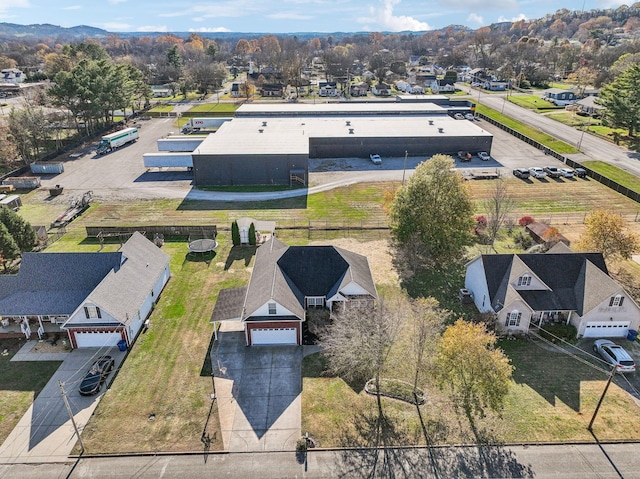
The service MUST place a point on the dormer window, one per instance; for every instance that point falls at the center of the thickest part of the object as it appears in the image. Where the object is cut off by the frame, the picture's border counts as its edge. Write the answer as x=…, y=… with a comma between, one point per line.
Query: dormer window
x=616, y=300
x=272, y=308
x=524, y=280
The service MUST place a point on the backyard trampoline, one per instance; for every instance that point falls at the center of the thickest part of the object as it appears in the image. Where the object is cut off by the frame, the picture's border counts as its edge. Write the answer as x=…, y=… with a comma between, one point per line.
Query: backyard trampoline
x=204, y=245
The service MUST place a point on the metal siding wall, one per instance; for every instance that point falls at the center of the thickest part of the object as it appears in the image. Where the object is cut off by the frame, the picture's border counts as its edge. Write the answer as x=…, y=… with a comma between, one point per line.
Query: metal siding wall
x=246, y=170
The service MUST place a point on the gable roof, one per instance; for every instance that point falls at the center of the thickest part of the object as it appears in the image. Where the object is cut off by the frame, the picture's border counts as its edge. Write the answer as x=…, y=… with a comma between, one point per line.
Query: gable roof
x=287, y=274
x=572, y=279
x=123, y=290
x=53, y=283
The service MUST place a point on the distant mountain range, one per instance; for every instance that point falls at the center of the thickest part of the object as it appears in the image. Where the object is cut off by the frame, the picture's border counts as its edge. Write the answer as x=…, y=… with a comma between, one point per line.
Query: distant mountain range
x=14, y=31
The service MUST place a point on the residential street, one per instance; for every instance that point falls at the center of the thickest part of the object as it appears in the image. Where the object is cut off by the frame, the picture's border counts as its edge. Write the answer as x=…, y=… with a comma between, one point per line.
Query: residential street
x=570, y=461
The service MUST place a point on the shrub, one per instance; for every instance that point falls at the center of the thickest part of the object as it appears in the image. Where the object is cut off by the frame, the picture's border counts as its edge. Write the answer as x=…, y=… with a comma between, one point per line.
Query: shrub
x=481, y=222
x=566, y=332
x=252, y=234
x=526, y=220
x=523, y=240
x=235, y=233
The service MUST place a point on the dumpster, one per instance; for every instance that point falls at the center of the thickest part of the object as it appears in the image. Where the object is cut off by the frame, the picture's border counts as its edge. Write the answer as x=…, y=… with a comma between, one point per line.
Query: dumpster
x=632, y=335
x=122, y=345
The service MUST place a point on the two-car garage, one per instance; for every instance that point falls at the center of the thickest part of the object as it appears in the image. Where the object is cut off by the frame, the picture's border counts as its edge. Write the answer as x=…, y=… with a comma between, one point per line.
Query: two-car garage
x=273, y=334
x=95, y=339
x=607, y=329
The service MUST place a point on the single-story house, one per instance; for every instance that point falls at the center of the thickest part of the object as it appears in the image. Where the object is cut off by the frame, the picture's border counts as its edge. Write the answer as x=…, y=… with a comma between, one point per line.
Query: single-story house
x=360, y=89
x=589, y=105
x=97, y=299
x=560, y=286
x=288, y=280
x=235, y=90
x=560, y=97
x=272, y=89
x=493, y=85
x=442, y=85
x=11, y=75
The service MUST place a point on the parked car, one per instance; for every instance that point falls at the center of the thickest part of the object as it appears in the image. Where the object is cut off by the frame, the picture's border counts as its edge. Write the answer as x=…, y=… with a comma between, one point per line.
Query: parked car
x=521, y=173
x=537, y=172
x=458, y=116
x=464, y=155
x=375, y=159
x=469, y=116
x=615, y=354
x=566, y=172
x=580, y=172
x=96, y=376
x=483, y=155
x=552, y=171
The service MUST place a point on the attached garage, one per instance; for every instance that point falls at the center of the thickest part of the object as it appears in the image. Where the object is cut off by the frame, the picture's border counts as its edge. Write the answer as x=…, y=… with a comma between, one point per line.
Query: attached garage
x=268, y=336
x=95, y=339
x=606, y=329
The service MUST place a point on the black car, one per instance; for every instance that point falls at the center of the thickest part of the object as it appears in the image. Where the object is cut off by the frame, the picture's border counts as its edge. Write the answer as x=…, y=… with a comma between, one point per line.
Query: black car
x=580, y=172
x=521, y=173
x=96, y=375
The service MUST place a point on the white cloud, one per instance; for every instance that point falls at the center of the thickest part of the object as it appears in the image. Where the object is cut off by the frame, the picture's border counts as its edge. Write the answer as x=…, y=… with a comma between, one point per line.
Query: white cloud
x=73, y=7
x=475, y=18
x=383, y=17
x=8, y=5
x=522, y=16
x=152, y=28
x=289, y=16
x=209, y=29
x=115, y=26
x=230, y=8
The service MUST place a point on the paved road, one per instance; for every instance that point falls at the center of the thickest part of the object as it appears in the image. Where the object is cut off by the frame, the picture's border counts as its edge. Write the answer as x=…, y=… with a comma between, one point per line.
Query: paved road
x=548, y=461
x=593, y=147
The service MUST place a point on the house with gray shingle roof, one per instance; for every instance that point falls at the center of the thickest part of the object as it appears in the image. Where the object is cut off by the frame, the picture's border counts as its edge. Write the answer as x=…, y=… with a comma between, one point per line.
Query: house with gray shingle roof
x=560, y=286
x=97, y=299
x=286, y=281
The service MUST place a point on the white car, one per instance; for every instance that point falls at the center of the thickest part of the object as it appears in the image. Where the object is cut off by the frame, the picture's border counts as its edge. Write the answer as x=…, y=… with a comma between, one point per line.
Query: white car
x=459, y=116
x=566, y=172
x=484, y=156
x=537, y=172
x=375, y=159
x=615, y=355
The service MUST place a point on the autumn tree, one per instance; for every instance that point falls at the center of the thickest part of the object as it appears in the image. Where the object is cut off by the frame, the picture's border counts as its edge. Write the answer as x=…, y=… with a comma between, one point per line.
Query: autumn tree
x=358, y=341
x=621, y=100
x=497, y=206
x=472, y=369
x=606, y=232
x=432, y=213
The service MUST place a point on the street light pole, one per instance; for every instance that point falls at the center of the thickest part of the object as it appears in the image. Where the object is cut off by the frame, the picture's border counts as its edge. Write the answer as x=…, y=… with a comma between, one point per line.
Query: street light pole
x=404, y=170
x=581, y=137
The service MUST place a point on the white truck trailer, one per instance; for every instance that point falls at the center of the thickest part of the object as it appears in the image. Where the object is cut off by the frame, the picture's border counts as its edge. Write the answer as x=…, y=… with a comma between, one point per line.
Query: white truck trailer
x=180, y=143
x=116, y=140
x=167, y=160
x=199, y=124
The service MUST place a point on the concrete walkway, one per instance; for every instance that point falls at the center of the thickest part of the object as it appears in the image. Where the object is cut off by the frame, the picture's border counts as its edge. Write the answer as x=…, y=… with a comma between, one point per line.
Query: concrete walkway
x=258, y=391
x=45, y=433
x=26, y=353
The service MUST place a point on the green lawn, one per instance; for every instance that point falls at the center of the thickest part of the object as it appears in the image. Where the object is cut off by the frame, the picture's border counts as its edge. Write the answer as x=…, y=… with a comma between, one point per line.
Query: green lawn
x=229, y=108
x=547, y=140
x=533, y=102
x=622, y=177
x=20, y=384
x=161, y=109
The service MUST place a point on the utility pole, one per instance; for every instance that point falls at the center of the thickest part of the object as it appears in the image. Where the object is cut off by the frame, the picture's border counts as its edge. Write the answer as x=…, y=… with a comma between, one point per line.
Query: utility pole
x=595, y=413
x=405, y=165
x=73, y=421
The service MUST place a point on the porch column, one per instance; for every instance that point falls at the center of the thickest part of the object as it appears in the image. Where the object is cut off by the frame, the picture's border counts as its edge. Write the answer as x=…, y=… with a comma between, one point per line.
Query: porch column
x=40, y=328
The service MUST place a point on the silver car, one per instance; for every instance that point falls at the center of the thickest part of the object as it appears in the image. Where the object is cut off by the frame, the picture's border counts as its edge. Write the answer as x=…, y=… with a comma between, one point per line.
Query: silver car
x=615, y=354
x=537, y=172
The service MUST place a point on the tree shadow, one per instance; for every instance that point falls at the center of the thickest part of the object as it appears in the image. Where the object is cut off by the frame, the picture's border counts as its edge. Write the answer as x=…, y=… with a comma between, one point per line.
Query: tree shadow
x=240, y=253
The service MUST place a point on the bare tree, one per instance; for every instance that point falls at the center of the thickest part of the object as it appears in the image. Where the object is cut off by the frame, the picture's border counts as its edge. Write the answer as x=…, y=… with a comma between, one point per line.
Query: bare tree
x=426, y=324
x=498, y=206
x=358, y=341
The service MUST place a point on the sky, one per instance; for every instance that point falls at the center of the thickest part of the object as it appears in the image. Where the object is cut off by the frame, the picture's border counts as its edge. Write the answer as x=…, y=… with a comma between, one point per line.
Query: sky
x=282, y=16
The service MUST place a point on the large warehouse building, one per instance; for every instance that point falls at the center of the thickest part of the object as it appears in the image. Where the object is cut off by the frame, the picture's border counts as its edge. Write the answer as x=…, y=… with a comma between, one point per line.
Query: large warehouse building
x=272, y=143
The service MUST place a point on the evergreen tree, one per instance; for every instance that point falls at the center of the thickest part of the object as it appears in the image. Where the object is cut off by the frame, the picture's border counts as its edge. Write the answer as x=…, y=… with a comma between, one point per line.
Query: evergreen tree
x=20, y=230
x=235, y=233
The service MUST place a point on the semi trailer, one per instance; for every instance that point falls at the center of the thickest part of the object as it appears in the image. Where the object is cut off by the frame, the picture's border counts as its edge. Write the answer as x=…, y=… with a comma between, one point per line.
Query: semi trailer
x=116, y=140
x=197, y=124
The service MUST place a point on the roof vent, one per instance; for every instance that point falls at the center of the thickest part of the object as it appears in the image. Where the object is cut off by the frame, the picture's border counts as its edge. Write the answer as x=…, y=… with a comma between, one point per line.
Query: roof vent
x=264, y=123
x=431, y=122
x=348, y=122
x=440, y=130
x=351, y=131
x=260, y=130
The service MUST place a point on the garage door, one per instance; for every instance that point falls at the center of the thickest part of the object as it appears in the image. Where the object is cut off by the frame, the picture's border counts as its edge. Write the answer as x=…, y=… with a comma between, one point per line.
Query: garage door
x=266, y=336
x=607, y=329
x=97, y=340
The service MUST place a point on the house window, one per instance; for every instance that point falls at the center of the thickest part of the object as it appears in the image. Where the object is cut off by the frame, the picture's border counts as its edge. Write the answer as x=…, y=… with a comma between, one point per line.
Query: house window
x=524, y=280
x=272, y=308
x=92, y=312
x=616, y=300
x=317, y=301
x=513, y=318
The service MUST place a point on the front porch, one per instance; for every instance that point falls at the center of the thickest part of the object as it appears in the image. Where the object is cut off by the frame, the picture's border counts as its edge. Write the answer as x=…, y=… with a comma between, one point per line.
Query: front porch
x=31, y=327
x=544, y=318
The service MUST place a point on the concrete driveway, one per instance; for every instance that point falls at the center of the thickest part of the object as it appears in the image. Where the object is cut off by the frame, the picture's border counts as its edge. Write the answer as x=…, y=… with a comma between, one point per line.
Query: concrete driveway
x=258, y=390
x=45, y=433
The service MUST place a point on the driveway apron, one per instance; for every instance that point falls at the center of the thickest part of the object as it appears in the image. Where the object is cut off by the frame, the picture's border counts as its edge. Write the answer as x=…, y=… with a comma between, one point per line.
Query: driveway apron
x=258, y=390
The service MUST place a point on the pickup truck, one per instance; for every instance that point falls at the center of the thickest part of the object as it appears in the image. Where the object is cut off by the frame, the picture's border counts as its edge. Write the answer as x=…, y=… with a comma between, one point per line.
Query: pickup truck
x=375, y=159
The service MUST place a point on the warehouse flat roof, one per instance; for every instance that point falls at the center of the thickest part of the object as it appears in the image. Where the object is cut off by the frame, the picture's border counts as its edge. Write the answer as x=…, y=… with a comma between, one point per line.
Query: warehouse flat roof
x=272, y=136
x=339, y=109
